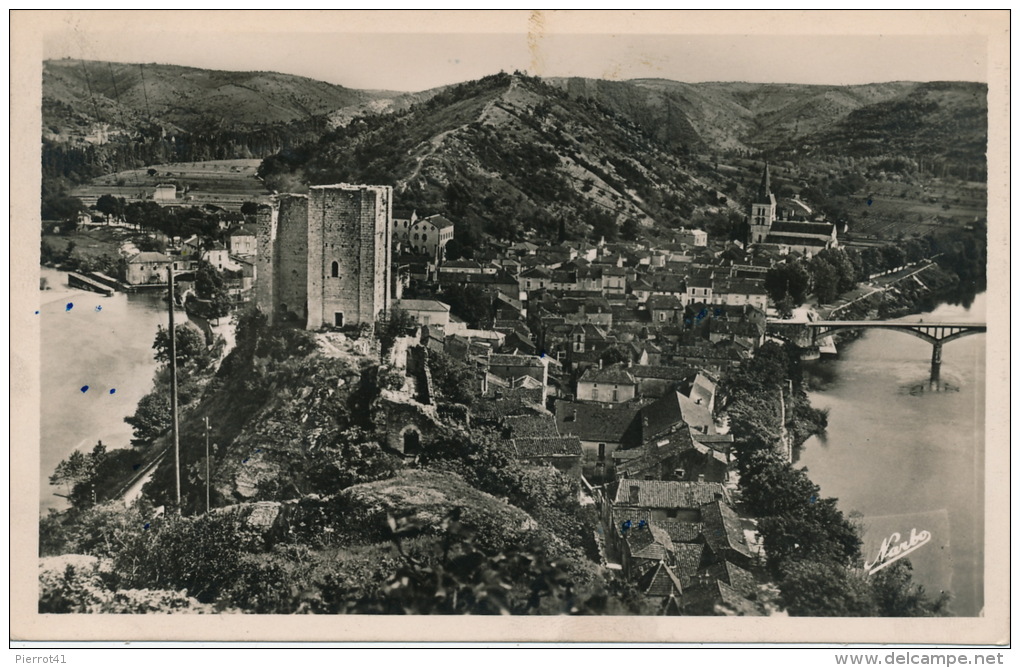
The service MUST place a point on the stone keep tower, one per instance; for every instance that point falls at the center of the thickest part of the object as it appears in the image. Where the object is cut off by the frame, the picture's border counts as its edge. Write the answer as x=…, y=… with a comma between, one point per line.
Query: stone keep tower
x=324, y=259
x=763, y=209
x=348, y=254
x=281, y=285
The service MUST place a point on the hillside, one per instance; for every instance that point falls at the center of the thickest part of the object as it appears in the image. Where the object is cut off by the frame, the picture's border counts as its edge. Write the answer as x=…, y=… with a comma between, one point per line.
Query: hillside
x=923, y=120
x=509, y=154
x=312, y=514
x=79, y=97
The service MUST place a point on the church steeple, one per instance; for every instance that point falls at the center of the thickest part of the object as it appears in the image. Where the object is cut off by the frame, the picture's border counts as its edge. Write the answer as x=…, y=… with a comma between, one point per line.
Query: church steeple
x=764, y=190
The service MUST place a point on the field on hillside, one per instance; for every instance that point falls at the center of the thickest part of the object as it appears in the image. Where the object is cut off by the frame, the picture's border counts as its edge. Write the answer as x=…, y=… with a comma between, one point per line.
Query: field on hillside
x=882, y=209
x=890, y=209
x=225, y=183
x=91, y=244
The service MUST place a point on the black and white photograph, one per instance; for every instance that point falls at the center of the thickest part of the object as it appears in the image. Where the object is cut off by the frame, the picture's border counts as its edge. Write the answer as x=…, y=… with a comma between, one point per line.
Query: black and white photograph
x=540, y=314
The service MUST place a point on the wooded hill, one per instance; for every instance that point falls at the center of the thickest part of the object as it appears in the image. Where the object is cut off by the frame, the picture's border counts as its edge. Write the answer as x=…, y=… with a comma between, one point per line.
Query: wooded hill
x=509, y=153
x=128, y=97
x=941, y=122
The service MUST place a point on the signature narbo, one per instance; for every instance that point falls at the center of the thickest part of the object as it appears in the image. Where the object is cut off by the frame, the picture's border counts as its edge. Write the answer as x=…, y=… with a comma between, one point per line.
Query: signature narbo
x=893, y=549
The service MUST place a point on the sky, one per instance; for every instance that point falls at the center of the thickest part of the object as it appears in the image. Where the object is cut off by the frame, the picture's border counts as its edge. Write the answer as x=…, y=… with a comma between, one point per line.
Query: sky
x=428, y=49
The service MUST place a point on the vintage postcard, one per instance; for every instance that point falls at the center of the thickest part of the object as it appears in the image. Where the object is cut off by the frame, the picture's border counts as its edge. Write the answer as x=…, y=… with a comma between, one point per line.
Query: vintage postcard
x=522, y=326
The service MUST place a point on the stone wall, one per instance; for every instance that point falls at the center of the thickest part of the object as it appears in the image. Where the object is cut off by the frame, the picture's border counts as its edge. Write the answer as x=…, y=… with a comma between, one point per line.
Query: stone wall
x=266, y=220
x=291, y=258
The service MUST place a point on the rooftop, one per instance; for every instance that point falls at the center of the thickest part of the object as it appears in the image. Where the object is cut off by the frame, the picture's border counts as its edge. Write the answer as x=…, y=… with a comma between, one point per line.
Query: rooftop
x=596, y=422
x=614, y=374
x=668, y=494
x=422, y=305
x=547, y=446
x=531, y=426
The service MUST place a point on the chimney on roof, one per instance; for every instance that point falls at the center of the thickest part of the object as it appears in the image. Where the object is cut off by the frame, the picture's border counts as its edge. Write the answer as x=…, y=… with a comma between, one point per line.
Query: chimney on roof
x=634, y=494
x=573, y=415
x=701, y=477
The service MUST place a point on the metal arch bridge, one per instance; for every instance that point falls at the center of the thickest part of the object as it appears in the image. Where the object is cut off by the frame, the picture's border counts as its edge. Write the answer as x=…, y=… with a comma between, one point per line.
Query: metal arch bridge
x=935, y=333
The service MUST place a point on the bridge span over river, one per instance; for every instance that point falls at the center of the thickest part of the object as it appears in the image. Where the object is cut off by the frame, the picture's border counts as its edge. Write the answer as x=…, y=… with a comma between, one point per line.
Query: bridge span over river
x=806, y=333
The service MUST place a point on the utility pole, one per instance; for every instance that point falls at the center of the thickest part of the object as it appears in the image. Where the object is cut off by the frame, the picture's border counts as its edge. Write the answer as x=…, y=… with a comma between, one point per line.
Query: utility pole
x=173, y=386
x=207, y=467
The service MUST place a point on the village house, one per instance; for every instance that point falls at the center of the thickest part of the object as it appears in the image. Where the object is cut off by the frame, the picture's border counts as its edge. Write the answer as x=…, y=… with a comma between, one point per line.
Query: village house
x=512, y=368
x=561, y=452
x=602, y=429
x=613, y=384
x=219, y=257
x=740, y=292
x=745, y=333
x=665, y=309
x=663, y=501
x=536, y=278
x=691, y=237
x=147, y=267
x=654, y=380
x=430, y=235
x=402, y=222
x=425, y=311
x=712, y=358
x=463, y=267
x=614, y=280
x=699, y=289
x=243, y=242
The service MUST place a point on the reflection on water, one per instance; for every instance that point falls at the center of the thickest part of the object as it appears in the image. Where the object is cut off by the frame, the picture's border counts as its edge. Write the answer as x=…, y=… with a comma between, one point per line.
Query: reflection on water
x=104, y=343
x=928, y=387
x=896, y=446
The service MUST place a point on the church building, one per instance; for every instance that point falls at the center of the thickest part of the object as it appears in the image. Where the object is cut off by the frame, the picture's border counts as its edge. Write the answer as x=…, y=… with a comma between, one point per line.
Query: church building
x=768, y=226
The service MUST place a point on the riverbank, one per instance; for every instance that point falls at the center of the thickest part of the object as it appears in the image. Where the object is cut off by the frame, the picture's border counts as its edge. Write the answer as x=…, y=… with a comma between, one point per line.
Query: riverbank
x=904, y=455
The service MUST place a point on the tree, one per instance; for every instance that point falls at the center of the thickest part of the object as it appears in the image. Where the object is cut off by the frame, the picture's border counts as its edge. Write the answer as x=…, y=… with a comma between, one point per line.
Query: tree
x=453, y=380
x=349, y=457
x=788, y=279
x=816, y=530
x=62, y=208
x=210, y=289
x=151, y=418
x=614, y=355
x=455, y=250
x=190, y=345
x=110, y=205
x=893, y=256
x=71, y=471
x=824, y=589
x=896, y=595
x=398, y=323
x=81, y=473
x=249, y=208
x=630, y=229
x=846, y=274
x=148, y=215
x=826, y=280
x=453, y=574
x=468, y=302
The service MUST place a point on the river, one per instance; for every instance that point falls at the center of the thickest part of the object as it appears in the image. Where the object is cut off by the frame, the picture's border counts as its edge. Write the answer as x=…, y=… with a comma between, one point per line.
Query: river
x=104, y=343
x=906, y=457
